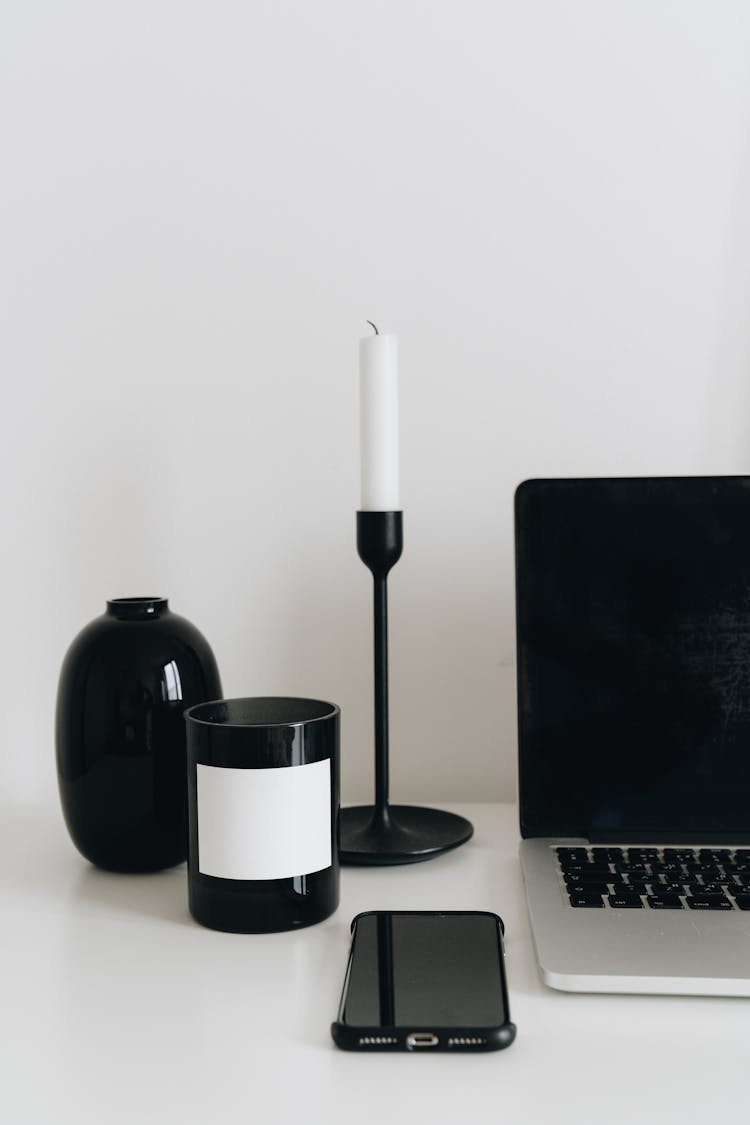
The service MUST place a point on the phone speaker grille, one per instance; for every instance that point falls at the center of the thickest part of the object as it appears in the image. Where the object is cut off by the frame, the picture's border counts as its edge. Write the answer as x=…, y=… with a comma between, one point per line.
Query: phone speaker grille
x=467, y=1041
x=377, y=1040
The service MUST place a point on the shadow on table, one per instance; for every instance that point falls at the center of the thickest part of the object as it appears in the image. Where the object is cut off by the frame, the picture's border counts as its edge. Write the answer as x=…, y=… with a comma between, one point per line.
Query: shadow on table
x=46, y=867
x=160, y=894
x=38, y=863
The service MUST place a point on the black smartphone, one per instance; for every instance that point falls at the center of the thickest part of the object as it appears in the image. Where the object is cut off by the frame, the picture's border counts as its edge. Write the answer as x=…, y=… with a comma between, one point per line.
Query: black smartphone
x=425, y=980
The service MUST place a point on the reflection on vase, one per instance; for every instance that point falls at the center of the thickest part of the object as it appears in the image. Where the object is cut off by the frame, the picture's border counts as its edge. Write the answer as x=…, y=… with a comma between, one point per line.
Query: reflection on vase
x=121, y=760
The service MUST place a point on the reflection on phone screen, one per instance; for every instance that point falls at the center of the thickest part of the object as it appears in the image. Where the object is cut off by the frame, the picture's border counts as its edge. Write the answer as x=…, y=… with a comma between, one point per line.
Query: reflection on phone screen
x=442, y=970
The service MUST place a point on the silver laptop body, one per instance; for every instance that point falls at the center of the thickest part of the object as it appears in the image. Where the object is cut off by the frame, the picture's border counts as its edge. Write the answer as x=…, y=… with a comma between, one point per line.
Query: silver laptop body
x=633, y=619
x=683, y=951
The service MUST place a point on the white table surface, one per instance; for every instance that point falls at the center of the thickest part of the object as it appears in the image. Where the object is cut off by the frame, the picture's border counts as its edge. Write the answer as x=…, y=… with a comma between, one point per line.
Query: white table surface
x=116, y=1007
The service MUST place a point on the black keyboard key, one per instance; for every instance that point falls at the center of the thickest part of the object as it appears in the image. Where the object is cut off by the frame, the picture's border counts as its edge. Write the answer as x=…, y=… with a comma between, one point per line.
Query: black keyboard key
x=666, y=867
x=620, y=888
x=622, y=873
x=669, y=887
x=709, y=873
x=708, y=902
x=743, y=878
x=581, y=875
x=586, y=889
x=573, y=855
x=742, y=855
x=586, y=900
x=606, y=855
x=572, y=868
x=681, y=855
x=713, y=855
x=743, y=901
x=588, y=874
x=642, y=855
x=635, y=887
x=625, y=902
x=664, y=902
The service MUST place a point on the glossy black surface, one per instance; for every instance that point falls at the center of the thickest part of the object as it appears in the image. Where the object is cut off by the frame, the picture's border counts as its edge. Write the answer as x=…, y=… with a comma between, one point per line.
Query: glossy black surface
x=382, y=834
x=373, y=837
x=380, y=541
x=423, y=969
x=437, y=973
x=264, y=733
x=633, y=610
x=121, y=759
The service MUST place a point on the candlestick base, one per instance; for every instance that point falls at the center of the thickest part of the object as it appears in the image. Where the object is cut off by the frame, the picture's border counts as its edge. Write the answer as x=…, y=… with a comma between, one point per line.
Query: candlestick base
x=376, y=837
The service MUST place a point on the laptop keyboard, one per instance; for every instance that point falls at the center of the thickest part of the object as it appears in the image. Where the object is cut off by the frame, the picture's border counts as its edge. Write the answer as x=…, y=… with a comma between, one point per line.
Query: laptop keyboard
x=656, y=878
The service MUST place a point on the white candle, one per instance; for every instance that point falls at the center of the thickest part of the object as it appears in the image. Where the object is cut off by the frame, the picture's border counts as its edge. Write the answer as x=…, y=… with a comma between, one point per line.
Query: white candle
x=378, y=423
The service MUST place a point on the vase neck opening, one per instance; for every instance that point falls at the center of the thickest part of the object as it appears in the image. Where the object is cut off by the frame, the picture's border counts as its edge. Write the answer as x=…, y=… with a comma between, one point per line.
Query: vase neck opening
x=137, y=609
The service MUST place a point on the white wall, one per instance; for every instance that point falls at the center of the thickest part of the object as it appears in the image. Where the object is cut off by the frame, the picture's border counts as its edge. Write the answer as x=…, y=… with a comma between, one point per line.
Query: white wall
x=201, y=203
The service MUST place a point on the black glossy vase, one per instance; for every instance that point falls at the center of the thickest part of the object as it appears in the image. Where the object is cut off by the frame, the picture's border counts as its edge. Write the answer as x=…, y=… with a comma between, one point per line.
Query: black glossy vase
x=125, y=682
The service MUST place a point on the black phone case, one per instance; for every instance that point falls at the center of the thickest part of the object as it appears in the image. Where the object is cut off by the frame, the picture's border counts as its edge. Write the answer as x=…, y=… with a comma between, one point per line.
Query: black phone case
x=354, y=1038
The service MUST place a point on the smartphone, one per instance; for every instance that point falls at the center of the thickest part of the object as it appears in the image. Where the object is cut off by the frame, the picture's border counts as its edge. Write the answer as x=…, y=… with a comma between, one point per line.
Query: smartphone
x=425, y=981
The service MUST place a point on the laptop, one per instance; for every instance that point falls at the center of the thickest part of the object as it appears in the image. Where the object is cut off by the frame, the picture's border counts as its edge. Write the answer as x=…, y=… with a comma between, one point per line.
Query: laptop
x=633, y=635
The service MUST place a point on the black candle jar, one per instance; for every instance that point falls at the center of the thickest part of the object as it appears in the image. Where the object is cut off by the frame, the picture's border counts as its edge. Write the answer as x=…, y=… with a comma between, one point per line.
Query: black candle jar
x=263, y=809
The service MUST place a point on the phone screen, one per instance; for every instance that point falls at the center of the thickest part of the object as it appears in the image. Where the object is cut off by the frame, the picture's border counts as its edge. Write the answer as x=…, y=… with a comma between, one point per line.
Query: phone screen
x=420, y=970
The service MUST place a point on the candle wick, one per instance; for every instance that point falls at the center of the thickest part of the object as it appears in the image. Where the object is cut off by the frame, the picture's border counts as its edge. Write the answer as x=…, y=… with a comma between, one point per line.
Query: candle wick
x=373, y=326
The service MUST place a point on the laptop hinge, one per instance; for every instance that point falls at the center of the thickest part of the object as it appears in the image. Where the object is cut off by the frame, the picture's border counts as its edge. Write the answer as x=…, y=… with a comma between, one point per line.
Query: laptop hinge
x=615, y=837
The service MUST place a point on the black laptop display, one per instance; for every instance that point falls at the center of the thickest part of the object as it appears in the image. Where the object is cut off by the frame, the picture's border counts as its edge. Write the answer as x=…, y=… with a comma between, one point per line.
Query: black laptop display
x=633, y=617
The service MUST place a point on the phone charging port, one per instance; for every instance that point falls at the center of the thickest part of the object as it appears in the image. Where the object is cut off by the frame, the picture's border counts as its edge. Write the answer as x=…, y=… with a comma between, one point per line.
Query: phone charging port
x=421, y=1039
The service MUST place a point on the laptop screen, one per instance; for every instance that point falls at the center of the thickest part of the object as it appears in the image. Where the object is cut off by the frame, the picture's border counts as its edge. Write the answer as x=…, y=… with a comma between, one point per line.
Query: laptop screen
x=633, y=629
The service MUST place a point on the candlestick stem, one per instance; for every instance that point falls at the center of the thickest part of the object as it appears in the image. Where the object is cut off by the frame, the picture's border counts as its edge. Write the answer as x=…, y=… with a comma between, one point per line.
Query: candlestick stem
x=380, y=622
x=382, y=833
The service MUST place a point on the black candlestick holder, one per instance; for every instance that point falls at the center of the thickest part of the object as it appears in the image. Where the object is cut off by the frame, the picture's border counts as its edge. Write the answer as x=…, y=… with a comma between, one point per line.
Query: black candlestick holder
x=381, y=834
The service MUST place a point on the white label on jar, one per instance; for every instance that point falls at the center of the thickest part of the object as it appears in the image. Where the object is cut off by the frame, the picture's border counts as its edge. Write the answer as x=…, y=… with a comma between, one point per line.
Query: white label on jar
x=264, y=823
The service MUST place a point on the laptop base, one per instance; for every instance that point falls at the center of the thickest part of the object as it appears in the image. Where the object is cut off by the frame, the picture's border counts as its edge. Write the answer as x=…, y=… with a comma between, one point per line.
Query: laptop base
x=676, y=952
